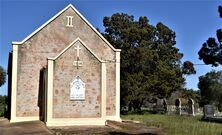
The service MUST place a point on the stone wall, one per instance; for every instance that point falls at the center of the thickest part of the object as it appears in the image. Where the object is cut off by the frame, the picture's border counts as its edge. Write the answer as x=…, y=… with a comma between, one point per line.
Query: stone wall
x=65, y=73
x=111, y=87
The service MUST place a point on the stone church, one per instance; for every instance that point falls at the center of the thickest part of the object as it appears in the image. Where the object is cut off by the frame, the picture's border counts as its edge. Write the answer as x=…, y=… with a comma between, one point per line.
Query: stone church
x=65, y=73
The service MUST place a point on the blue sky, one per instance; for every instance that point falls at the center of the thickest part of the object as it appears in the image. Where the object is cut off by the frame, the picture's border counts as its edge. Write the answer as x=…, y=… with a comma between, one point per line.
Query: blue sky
x=193, y=22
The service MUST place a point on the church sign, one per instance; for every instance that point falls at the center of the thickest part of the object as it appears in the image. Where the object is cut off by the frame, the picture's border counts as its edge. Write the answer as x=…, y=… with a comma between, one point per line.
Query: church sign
x=77, y=89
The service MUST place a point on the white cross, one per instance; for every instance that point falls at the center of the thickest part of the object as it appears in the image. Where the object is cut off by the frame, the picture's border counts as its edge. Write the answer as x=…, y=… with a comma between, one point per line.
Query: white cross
x=77, y=48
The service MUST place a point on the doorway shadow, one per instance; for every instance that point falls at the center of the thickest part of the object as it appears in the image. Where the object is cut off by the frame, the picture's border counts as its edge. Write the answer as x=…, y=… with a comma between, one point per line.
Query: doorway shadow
x=41, y=94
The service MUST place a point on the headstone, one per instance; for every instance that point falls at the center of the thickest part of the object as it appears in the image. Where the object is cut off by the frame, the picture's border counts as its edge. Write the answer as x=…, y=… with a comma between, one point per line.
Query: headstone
x=159, y=102
x=208, y=111
x=161, y=106
x=165, y=105
x=191, y=107
x=178, y=106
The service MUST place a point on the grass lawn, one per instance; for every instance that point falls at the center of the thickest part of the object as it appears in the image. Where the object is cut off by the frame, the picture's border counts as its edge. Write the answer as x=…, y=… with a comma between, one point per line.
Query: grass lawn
x=178, y=125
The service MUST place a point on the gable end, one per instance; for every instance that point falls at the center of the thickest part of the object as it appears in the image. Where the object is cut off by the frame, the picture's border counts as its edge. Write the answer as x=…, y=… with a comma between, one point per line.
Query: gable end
x=70, y=45
x=58, y=14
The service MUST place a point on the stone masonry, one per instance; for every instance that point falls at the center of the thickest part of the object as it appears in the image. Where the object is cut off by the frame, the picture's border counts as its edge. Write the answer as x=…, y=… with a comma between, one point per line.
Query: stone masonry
x=64, y=71
x=48, y=42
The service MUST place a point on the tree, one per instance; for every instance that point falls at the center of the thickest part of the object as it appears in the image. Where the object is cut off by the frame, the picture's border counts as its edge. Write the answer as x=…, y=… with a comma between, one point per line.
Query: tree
x=3, y=104
x=211, y=50
x=210, y=86
x=190, y=93
x=188, y=68
x=150, y=62
x=2, y=76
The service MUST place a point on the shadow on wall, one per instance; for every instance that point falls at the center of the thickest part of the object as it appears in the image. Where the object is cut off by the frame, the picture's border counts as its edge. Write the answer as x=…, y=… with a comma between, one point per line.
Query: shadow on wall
x=8, y=101
x=41, y=94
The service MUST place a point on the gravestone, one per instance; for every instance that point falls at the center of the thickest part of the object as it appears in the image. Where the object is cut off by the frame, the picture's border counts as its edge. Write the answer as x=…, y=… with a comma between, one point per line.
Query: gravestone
x=161, y=106
x=178, y=106
x=208, y=111
x=165, y=105
x=191, y=107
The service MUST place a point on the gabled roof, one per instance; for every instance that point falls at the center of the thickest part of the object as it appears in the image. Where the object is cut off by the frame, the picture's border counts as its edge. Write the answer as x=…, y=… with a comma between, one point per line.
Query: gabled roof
x=71, y=44
x=54, y=17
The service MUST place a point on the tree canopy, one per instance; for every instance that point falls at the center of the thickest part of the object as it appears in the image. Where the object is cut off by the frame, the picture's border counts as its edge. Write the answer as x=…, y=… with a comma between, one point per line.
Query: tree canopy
x=2, y=76
x=150, y=62
x=188, y=68
x=211, y=50
x=210, y=86
x=3, y=104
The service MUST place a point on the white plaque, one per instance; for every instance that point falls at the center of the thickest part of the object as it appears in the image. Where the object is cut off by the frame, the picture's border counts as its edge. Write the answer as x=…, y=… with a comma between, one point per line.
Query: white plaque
x=77, y=89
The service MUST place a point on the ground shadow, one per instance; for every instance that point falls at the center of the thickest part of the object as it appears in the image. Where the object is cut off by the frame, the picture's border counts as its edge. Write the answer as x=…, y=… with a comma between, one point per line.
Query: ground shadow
x=122, y=133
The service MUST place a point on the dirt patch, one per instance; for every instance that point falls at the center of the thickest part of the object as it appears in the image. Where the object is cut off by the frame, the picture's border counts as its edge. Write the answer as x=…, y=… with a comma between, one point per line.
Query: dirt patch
x=131, y=127
x=82, y=130
x=23, y=128
x=112, y=128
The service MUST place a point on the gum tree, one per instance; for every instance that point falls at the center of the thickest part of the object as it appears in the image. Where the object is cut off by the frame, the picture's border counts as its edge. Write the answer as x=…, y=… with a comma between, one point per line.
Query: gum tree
x=150, y=62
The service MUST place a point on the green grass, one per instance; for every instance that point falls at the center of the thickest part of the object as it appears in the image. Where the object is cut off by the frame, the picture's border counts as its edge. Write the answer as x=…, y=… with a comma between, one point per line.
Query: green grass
x=178, y=125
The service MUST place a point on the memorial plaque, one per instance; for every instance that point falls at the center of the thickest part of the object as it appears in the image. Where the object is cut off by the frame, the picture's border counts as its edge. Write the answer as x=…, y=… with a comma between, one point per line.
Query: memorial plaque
x=77, y=89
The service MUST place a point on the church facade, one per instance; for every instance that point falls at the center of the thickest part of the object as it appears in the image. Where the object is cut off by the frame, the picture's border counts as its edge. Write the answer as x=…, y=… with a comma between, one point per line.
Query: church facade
x=65, y=73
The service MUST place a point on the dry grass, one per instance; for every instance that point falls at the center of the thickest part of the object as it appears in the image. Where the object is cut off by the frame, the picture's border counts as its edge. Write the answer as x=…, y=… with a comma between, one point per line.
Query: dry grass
x=178, y=125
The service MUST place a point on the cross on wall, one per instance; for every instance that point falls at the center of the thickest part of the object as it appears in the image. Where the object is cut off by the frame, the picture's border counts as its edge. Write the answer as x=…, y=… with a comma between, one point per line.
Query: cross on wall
x=78, y=49
x=77, y=63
